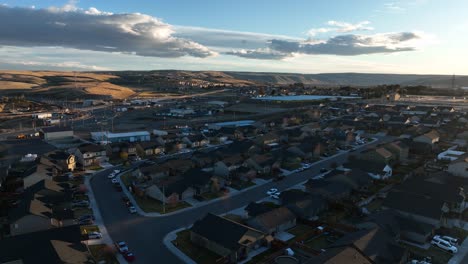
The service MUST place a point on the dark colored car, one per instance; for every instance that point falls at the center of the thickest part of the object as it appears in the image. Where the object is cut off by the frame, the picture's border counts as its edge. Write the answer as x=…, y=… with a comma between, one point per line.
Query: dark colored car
x=128, y=256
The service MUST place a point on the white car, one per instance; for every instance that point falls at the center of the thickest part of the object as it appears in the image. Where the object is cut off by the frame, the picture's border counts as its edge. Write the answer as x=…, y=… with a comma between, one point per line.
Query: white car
x=132, y=209
x=94, y=235
x=115, y=180
x=443, y=244
x=121, y=246
x=451, y=240
x=111, y=176
x=275, y=196
x=272, y=191
x=116, y=172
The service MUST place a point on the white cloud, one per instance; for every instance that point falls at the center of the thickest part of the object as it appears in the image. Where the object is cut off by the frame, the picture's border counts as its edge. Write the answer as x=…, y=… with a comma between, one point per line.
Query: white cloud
x=91, y=29
x=66, y=65
x=341, y=27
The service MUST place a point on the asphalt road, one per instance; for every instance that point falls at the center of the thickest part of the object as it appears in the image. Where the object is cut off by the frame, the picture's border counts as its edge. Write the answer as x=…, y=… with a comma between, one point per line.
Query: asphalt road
x=144, y=235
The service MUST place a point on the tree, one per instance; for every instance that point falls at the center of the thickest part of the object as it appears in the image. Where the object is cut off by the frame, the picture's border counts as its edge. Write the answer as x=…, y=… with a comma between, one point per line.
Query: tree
x=124, y=155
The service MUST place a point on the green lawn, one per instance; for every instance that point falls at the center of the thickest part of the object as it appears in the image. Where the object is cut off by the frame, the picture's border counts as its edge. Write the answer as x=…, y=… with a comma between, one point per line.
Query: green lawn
x=126, y=179
x=240, y=185
x=210, y=195
x=262, y=256
x=94, y=167
x=319, y=242
x=89, y=229
x=150, y=205
x=375, y=205
x=300, y=229
x=196, y=253
x=101, y=253
x=438, y=255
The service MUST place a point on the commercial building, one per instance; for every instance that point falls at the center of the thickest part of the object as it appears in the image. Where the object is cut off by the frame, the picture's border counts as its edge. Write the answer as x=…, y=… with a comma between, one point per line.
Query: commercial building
x=51, y=133
x=108, y=137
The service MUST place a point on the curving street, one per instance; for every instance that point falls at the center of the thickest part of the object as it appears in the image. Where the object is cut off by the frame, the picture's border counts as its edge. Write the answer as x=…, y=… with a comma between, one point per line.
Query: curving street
x=144, y=235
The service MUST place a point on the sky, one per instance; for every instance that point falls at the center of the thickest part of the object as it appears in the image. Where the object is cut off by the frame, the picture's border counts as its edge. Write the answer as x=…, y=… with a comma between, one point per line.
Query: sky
x=303, y=36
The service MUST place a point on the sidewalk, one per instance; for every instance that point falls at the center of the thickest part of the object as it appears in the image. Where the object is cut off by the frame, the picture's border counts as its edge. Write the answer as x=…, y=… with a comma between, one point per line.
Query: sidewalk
x=461, y=254
x=197, y=204
x=106, y=239
x=257, y=182
x=168, y=243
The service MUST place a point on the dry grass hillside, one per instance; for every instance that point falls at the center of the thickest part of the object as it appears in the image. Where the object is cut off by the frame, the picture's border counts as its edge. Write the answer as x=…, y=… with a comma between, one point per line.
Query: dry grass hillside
x=62, y=84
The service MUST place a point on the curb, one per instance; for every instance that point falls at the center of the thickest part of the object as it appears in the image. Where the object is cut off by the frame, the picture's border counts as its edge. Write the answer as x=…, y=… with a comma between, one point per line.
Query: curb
x=174, y=250
x=106, y=239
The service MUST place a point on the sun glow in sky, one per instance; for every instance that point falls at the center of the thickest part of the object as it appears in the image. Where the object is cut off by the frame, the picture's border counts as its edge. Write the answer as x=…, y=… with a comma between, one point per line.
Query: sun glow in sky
x=415, y=36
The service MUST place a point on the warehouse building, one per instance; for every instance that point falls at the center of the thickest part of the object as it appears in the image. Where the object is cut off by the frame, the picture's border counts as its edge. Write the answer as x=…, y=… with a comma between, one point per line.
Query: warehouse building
x=52, y=133
x=109, y=137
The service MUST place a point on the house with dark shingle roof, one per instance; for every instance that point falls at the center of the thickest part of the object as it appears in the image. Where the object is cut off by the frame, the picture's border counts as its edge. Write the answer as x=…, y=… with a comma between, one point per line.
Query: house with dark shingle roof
x=225, y=237
x=403, y=228
x=375, y=244
x=419, y=207
x=274, y=221
x=56, y=245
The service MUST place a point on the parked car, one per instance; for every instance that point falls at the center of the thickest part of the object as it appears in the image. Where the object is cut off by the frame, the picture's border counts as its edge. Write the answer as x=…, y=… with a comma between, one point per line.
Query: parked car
x=443, y=244
x=323, y=170
x=125, y=199
x=116, y=172
x=86, y=217
x=128, y=256
x=132, y=209
x=275, y=196
x=272, y=191
x=449, y=239
x=94, y=235
x=121, y=246
x=118, y=187
x=86, y=222
x=115, y=180
x=111, y=176
x=81, y=204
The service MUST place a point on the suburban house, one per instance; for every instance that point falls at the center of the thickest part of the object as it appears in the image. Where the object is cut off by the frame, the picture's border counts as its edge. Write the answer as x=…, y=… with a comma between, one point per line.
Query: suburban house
x=403, y=228
x=376, y=170
x=35, y=211
x=263, y=163
x=60, y=161
x=274, y=221
x=380, y=155
x=331, y=190
x=226, y=238
x=196, y=141
x=179, y=188
x=418, y=207
x=254, y=209
x=55, y=132
x=459, y=167
x=308, y=207
x=368, y=245
x=399, y=150
x=57, y=245
x=150, y=148
x=428, y=138
x=90, y=154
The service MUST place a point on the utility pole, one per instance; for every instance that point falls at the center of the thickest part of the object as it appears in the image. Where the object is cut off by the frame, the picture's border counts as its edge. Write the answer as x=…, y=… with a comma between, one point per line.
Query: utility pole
x=164, y=199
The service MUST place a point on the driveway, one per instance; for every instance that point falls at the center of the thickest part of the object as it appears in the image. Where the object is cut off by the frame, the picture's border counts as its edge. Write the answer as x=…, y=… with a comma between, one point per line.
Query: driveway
x=144, y=235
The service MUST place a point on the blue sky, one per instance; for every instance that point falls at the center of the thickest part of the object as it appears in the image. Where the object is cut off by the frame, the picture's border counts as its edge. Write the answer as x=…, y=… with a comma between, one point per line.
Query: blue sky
x=414, y=36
